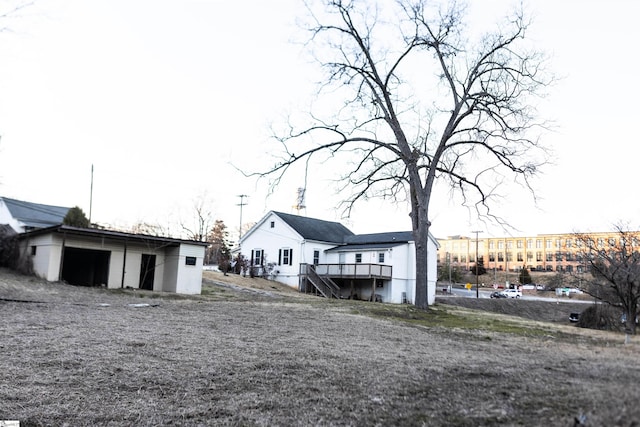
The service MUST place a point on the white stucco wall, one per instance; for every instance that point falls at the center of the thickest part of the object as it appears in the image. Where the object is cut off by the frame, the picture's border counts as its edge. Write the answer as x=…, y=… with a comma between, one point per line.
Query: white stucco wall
x=46, y=261
x=171, y=272
x=189, y=280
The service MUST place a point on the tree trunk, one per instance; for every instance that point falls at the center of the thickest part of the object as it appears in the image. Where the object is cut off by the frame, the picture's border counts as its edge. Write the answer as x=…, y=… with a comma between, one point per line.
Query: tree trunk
x=421, y=236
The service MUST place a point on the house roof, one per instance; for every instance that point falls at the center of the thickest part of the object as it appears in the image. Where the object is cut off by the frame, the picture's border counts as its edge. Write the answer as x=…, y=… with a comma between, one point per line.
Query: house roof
x=390, y=237
x=316, y=229
x=374, y=241
x=110, y=234
x=35, y=215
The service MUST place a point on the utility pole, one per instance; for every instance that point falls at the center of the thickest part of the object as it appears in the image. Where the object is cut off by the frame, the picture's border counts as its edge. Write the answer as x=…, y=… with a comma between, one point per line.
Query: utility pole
x=241, y=204
x=91, y=196
x=477, y=290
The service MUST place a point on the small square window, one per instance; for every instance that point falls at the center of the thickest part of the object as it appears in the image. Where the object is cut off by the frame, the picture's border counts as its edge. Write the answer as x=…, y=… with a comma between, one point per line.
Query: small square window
x=358, y=258
x=190, y=260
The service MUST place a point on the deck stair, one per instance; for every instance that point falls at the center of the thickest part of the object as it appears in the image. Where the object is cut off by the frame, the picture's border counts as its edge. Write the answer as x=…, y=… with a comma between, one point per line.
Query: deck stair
x=324, y=285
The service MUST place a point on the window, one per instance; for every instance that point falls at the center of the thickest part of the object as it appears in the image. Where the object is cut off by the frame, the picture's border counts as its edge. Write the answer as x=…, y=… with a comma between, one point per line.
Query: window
x=358, y=258
x=519, y=244
x=500, y=257
x=500, y=245
x=538, y=256
x=381, y=257
x=549, y=257
x=257, y=254
x=491, y=244
x=558, y=256
x=538, y=244
x=568, y=243
x=492, y=256
x=316, y=257
x=510, y=244
x=520, y=258
x=529, y=256
x=509, y=256
x=529, y=243
x=190, y=260
x=33, y=250
x=285, y=256
x=273, y=224
x=548, y=243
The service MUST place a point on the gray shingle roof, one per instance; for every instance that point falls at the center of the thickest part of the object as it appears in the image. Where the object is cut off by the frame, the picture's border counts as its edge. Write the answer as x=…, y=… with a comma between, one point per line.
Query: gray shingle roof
x=35, y=215
x=316, y=229
x=374, y=241
x=390, y=237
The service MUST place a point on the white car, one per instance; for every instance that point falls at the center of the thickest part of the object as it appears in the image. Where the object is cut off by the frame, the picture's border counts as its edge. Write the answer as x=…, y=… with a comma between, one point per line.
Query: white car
x=511, y=293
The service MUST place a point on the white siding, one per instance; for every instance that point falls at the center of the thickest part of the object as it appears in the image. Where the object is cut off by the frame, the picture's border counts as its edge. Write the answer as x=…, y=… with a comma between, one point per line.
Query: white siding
x=7, y=218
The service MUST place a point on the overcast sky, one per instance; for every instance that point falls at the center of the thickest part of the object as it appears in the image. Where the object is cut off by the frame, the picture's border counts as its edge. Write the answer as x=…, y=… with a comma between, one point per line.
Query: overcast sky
x=162, y=96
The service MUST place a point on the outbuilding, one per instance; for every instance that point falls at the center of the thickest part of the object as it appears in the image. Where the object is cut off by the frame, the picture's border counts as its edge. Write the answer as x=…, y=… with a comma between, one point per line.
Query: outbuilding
x=96, y=257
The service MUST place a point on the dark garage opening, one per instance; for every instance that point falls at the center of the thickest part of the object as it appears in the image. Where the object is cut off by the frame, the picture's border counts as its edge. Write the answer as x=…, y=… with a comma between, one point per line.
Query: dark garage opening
x=85, y=267
x=147, y=271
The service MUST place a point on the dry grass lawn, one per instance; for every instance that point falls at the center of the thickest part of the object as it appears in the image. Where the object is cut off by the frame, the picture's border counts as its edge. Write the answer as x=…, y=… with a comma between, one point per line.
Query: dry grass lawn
x=252, y=352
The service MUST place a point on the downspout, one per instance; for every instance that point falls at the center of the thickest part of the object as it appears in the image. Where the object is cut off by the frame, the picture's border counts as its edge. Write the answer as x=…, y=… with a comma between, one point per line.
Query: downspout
x=124, y=264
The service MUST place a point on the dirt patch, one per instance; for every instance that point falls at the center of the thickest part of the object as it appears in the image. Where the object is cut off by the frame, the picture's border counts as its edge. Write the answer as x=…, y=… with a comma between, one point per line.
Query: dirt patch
x=87, y=356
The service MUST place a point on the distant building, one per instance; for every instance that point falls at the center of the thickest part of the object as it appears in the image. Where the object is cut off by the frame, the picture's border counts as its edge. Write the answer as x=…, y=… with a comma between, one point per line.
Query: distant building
x=25, y=216
x=544, y=252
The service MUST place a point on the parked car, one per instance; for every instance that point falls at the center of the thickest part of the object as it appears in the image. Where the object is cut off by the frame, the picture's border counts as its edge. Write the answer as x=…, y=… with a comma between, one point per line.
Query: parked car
x=497, y=294
x=574, y=317
x=512, y=293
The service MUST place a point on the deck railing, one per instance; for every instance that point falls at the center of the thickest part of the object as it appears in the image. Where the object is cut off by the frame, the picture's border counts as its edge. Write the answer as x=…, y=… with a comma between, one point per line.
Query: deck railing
x=354, y=271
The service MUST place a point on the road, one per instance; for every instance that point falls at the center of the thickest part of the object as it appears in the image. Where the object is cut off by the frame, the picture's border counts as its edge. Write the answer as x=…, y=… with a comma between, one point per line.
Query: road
x=486, y=292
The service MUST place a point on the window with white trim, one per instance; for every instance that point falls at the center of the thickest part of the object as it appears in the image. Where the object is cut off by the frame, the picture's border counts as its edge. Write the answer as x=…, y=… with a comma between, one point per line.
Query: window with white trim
x=257, y=255
x=285, y=256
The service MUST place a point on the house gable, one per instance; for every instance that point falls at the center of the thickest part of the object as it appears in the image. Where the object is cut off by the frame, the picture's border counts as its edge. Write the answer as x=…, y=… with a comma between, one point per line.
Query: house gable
x=24, y=216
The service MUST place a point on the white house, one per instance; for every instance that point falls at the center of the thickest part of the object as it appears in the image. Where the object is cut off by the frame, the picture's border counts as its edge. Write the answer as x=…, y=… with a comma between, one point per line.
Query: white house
x=327, y=258
x=93, y=257
x=23, y=216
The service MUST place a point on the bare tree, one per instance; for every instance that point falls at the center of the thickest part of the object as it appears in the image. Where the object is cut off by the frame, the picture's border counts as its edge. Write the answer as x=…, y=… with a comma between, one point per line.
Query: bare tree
x=199, y=228
x=614, y=267
x=415, y=102
x=12, y=9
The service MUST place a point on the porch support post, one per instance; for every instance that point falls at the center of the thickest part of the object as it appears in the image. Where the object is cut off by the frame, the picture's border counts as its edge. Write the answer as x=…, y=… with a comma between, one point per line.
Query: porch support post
x=352, y=292
x=373, y=290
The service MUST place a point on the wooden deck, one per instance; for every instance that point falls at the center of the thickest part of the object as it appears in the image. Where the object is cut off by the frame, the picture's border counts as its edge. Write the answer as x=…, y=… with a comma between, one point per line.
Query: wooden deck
x=351, y=271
